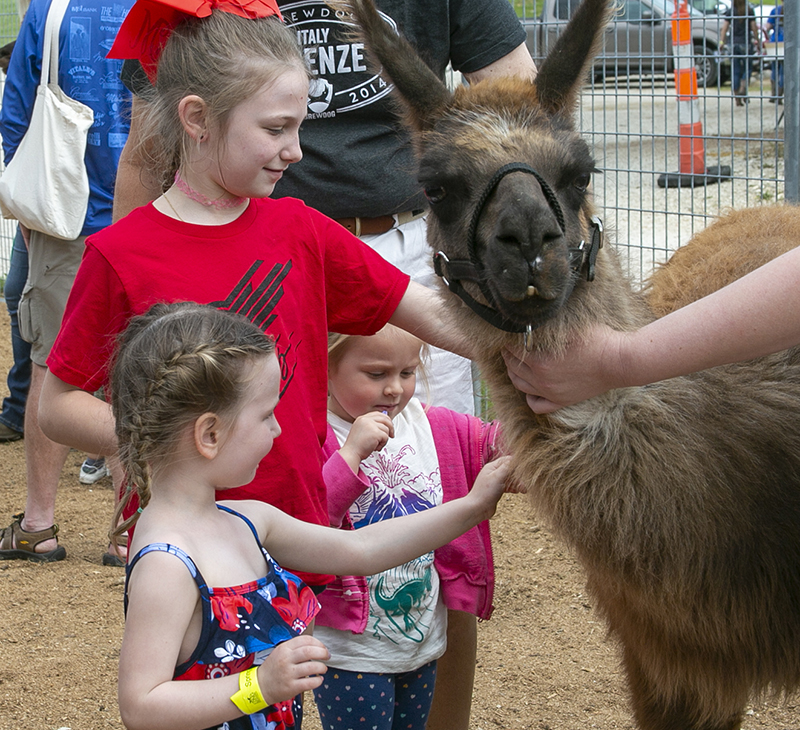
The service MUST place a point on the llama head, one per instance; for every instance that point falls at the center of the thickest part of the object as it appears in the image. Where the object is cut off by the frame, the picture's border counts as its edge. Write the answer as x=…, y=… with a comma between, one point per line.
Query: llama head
x=503, y=167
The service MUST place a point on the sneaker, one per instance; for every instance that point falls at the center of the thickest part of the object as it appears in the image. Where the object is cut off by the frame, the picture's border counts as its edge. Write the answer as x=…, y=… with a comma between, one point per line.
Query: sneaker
x=8, y=434
x=93, y=470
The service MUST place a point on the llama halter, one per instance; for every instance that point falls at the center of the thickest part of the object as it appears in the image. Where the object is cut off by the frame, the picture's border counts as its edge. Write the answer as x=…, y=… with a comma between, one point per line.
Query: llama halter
x=453, y=272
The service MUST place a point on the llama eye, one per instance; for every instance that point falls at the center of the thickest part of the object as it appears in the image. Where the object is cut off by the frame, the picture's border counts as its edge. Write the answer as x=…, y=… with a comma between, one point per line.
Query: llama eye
x=435, y=194
x=582, y=181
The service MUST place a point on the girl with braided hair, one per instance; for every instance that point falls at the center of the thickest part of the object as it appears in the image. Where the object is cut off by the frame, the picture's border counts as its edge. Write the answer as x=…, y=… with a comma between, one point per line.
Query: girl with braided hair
x=194, y=392
x=229, y=97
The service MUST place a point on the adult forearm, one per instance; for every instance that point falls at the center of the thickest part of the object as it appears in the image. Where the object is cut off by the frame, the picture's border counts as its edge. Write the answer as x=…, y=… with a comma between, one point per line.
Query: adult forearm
x=131, y=190
x=756, y=315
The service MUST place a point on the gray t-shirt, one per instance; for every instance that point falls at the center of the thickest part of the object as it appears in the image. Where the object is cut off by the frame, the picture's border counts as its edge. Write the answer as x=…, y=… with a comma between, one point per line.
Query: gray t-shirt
x=357, y=159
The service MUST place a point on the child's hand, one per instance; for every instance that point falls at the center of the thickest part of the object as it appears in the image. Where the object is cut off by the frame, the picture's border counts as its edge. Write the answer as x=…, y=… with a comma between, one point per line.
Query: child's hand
x=369, y=433
x=490, y=484
x=293, y=667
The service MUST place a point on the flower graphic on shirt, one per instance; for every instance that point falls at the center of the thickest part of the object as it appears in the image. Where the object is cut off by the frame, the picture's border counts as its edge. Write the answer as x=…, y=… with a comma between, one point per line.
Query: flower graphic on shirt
x=298, y=609
x=282, y=716
x=393, y=490
x=226, y=608
x=231, y=651
x=268, y=592
x=229, y=664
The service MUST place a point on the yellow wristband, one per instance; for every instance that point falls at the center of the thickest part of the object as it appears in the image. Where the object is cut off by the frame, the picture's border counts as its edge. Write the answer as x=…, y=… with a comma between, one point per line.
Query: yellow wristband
x=249, y=698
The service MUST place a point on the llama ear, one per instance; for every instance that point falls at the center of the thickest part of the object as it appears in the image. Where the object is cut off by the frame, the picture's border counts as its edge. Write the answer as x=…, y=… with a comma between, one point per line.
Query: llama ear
x=420, y=92
x=564, y=71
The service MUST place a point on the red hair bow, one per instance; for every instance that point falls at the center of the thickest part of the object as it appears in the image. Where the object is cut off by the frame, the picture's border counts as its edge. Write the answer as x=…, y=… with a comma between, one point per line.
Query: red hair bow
x=149, y=24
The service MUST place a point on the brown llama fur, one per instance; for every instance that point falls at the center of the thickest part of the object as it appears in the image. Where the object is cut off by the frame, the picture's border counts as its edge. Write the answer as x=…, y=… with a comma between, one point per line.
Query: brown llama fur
x=681, y=499
x=728, y=249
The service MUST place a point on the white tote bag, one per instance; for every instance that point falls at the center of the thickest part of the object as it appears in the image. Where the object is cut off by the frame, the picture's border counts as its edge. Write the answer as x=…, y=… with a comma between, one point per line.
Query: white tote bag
x=45, y=186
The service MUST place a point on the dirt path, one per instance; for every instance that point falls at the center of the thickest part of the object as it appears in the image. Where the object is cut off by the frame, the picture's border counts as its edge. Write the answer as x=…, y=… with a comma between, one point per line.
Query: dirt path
x=544, y=662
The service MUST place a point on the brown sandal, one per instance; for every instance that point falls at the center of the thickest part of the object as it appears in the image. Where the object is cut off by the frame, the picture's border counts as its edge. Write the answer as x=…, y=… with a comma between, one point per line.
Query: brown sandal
x=112, y=558
x=26, y=543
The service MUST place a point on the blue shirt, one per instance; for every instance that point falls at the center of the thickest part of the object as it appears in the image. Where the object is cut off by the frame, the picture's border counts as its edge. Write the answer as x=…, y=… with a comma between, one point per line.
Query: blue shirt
x=84, y=73
x=775, y=24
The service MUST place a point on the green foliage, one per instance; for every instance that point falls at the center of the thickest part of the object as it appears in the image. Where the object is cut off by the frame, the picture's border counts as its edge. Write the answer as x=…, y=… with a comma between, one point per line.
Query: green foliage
x=9, y=21
x=528, y=8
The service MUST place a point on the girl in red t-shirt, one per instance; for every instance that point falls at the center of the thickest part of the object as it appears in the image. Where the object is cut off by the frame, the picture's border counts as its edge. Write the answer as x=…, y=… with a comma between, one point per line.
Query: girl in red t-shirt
x=221, y=127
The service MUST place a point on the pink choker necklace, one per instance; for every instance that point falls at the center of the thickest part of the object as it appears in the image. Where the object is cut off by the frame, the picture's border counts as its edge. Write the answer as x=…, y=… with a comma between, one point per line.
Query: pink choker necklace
x=219, y=204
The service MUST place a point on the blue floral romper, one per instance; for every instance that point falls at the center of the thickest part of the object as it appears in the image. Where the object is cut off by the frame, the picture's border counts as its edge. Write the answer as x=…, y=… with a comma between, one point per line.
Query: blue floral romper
x=241, y=626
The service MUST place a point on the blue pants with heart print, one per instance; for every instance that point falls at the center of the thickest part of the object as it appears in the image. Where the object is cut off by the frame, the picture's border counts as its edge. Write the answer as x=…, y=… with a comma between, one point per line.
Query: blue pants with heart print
x=364, y=701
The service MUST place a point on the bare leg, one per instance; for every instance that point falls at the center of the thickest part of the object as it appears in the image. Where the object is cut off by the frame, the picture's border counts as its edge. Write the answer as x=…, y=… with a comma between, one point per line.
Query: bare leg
x=44, y=460
x=455, y=674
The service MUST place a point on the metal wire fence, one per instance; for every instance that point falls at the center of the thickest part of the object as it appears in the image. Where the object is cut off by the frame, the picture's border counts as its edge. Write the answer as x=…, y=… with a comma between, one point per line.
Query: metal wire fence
x=629, y=113
x=631, y=121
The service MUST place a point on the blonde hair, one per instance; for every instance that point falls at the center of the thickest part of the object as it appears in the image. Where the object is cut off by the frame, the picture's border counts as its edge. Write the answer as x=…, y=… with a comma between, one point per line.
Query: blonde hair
x=173, y=364
x=224, y=59
x=339, y=344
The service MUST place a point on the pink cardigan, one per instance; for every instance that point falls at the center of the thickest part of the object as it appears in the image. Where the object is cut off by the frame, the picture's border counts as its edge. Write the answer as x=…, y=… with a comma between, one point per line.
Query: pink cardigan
x=465, y=566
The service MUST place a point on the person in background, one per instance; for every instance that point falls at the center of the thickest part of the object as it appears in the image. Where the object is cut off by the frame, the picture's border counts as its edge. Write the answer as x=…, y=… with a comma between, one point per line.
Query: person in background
x=84, y=73
x=358, y=168
x=93, y=469
x=18, y=380
x=775, y=29
x=745, y=41
x=12, y=416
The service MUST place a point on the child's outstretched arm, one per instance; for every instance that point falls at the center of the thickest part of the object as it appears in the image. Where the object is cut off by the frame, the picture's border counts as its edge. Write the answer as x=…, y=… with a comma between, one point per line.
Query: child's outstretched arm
x=163, y=598
x=301, y=546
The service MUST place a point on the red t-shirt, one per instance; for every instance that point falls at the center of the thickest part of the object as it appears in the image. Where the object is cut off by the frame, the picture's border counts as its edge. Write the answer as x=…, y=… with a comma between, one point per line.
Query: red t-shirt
x=293, y=271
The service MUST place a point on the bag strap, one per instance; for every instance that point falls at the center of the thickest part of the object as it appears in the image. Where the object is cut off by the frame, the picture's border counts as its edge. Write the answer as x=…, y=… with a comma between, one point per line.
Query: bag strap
x=52, y=29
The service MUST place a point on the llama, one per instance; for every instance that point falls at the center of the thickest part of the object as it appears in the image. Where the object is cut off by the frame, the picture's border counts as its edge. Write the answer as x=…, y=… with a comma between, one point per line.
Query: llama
x=681, y=499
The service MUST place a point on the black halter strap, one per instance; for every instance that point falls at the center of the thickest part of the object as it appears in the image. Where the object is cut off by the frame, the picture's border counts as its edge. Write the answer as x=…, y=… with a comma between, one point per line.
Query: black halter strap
x=453, y=272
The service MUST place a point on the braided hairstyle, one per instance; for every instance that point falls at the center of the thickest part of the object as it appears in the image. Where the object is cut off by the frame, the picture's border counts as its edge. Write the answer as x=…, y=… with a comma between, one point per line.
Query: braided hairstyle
x=174, y=363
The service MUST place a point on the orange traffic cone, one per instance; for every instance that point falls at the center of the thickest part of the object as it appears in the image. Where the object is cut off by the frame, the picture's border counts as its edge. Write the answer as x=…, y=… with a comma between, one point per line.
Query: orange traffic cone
x=693, y=170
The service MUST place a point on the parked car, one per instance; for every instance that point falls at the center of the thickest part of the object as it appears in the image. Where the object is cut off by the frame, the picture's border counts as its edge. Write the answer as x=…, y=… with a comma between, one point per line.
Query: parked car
x=638, y=38
x=711, y=7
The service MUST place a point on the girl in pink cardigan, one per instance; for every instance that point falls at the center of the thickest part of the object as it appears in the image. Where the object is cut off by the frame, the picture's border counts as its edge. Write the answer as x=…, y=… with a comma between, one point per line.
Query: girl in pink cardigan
x=387, y=456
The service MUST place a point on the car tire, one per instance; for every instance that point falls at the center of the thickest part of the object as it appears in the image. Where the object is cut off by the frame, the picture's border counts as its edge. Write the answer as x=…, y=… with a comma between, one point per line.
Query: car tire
x=707, y=64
